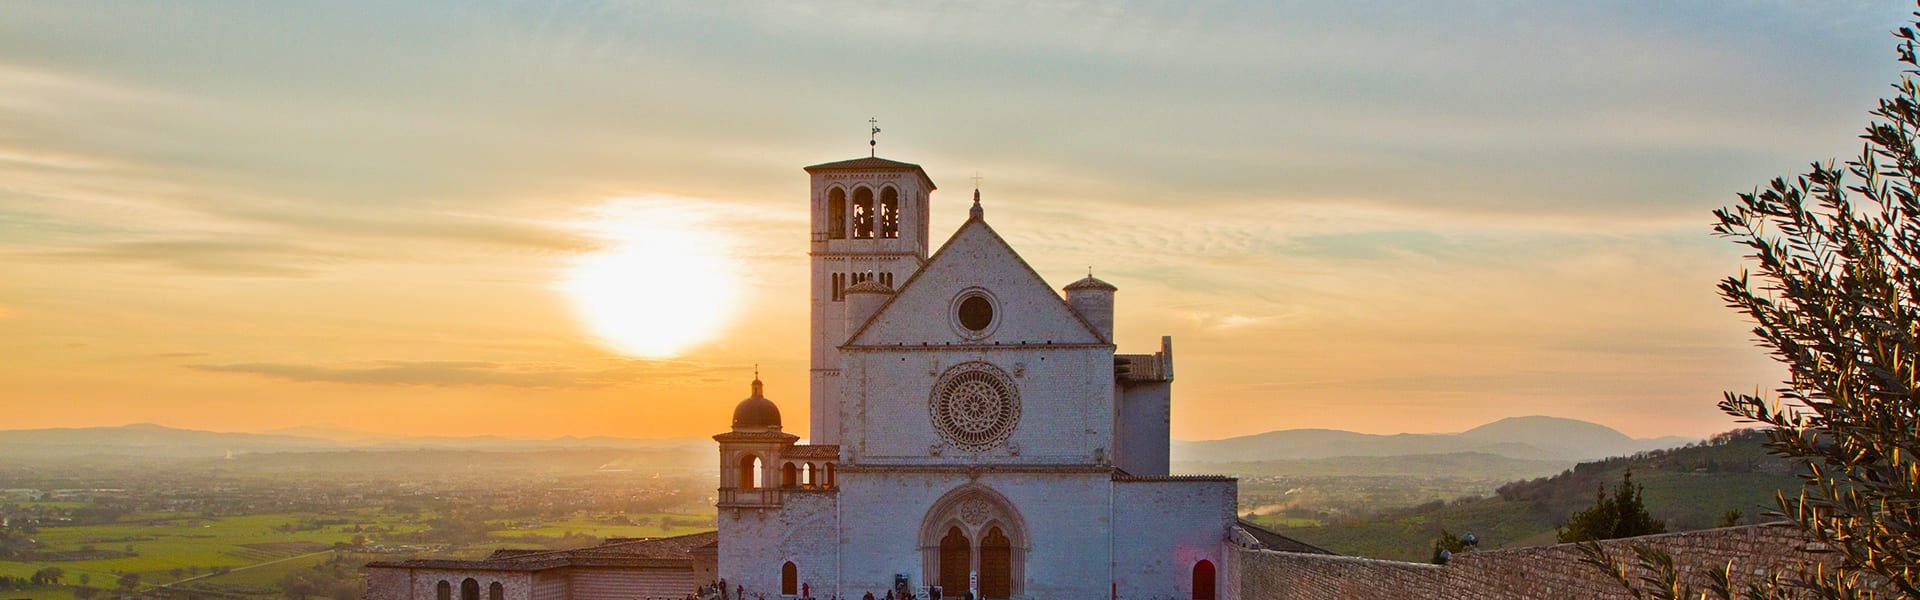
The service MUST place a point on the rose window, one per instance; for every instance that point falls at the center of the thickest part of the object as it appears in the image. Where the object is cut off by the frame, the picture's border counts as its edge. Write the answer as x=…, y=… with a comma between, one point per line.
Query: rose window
x=974, y=406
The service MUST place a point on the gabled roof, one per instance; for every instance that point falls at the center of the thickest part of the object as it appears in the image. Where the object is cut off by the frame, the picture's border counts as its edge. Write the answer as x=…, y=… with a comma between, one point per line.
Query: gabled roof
x=991, y=242
x=874, y=163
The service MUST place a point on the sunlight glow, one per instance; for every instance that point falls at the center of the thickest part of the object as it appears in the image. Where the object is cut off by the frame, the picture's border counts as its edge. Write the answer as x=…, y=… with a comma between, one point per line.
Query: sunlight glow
x=665, y=281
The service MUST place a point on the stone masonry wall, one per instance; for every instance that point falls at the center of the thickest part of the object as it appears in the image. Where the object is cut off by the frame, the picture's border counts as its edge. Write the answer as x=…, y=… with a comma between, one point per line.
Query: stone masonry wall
x=1547, y=572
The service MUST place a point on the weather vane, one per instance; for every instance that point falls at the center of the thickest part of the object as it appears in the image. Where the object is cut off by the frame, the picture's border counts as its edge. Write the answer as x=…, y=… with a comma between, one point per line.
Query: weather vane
x=873, y=137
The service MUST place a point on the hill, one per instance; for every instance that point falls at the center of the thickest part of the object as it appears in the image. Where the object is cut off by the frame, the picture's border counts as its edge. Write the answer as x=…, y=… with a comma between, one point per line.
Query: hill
x=1688, y=488
x=157, y=441
x=1527, y=438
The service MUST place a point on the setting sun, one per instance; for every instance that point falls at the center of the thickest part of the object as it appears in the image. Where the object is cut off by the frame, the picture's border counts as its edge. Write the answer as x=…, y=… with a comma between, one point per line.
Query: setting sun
x=663, y=281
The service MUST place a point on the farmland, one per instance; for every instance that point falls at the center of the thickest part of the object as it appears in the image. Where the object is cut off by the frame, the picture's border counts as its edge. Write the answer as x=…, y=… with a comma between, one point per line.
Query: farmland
x=180, y=530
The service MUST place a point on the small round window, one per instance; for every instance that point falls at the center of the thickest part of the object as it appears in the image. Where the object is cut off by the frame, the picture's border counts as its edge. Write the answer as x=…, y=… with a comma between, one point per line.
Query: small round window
x=976, y=313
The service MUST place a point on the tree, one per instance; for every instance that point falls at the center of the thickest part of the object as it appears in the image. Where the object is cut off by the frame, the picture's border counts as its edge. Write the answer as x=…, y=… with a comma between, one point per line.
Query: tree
x=85, y=593
x=1449, y=545
x=1621, y=515
x=1835, y=297
x=129, y=581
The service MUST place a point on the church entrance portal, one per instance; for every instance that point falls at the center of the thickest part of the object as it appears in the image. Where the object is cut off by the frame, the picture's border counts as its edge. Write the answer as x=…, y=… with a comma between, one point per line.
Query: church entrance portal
x=996, y=565
x=973, y=537
x=955, y=554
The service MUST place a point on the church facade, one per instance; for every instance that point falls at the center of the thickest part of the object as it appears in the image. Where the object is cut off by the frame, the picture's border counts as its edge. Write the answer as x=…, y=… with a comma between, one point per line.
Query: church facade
x=972, y=429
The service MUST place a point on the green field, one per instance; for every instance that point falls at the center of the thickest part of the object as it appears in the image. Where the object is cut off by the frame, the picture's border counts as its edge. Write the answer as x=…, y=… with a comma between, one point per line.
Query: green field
x=604, y=528
x=261, y=550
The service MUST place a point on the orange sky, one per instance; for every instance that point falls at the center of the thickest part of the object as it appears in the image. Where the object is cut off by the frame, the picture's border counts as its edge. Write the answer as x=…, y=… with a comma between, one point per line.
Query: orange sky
x=1379, y=218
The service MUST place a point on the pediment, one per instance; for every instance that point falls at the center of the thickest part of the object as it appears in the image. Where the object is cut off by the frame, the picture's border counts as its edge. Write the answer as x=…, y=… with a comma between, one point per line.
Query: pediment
x=975, y=262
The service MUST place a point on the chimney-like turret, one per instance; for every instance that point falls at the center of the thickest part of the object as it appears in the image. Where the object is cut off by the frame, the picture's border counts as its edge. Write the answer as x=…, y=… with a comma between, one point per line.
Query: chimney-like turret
x=1093, y=299
x=863, y=299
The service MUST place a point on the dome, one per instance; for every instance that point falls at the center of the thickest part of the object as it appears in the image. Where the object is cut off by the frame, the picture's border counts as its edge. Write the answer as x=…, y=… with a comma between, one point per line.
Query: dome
x=1091, y=283
x=756, y=411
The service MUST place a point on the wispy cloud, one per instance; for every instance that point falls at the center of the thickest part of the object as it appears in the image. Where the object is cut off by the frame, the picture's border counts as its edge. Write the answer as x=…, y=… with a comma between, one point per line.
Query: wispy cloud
x=460, y=373
x=227, y=257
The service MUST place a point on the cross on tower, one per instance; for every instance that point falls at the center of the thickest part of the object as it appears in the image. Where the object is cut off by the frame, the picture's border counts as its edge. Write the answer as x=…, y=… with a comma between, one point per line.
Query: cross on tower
x=873, y=137
x=976, y=180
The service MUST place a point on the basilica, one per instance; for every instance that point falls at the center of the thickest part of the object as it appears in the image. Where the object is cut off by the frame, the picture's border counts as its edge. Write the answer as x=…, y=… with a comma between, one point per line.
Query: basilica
x=972, y=430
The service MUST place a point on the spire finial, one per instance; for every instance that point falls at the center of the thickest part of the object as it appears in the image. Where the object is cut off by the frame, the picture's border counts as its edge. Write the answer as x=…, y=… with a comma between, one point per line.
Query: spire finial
x=873, y=137
x=976, y=213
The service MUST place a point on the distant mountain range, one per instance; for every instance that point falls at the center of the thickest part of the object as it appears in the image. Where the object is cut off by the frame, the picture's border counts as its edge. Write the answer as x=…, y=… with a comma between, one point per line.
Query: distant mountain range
x=149, y=440
x=1527, y=438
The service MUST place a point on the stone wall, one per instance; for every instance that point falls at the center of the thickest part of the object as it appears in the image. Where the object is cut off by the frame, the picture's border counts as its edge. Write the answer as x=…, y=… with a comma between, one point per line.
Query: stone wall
x=1163, y=530
x=1547, y=572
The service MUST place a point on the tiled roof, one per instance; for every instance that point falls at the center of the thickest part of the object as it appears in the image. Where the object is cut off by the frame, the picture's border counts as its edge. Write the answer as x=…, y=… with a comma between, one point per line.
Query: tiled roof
x=873, y=163
x=616, y=552
x=812, y=451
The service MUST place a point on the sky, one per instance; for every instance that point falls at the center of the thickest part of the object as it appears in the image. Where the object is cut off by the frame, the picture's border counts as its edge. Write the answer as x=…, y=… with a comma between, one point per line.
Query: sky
x=426, y=217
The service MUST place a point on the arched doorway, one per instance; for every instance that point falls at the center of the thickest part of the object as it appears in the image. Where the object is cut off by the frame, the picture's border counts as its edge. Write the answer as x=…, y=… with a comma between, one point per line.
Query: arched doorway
x=1203, y=580
x=469, y=589
x=996, y=565
x=789, y=579
x=973, y=531
x=956, y=558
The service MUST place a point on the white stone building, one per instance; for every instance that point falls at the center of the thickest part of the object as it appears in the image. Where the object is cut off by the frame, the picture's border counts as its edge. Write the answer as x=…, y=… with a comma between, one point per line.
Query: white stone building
x=972, y=430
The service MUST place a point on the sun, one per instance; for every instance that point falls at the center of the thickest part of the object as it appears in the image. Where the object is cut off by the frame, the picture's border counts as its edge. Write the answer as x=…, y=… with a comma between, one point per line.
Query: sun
x=663, y=281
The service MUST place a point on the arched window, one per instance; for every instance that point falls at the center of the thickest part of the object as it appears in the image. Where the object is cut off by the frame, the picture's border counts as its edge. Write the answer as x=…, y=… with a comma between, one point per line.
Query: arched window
x=444, y=591
x=496, y=591
x=862, y=213
x=789, y=476
x=837, y=214
x=1203, y=580
x=829, y=474
x=749, y=472
x=789, y=579
x=807, y=477
x=469, y=589
x=889, y=213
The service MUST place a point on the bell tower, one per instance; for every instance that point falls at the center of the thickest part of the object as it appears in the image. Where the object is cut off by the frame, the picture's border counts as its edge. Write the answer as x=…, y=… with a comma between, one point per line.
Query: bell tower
x=870, y=219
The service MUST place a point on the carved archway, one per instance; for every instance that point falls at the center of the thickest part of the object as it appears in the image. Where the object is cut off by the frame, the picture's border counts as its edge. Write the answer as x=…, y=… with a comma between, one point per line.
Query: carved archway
x=995, y=536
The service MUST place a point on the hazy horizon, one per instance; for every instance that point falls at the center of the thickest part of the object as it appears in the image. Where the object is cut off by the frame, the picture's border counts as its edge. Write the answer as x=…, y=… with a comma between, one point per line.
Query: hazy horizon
x=588, y=218
x=344, y=429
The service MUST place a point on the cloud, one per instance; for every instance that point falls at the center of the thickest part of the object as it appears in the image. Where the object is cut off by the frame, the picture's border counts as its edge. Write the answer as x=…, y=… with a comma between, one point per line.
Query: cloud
x=462, y=373
x=227, y=257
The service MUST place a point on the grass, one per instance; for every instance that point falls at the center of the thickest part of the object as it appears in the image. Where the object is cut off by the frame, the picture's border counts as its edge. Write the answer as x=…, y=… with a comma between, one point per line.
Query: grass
x=603, y=528
x=250, y=544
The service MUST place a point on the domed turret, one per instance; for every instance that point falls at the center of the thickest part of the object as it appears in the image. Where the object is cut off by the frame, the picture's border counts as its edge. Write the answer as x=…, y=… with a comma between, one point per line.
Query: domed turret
x=1093, y=299
x=756, y=412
